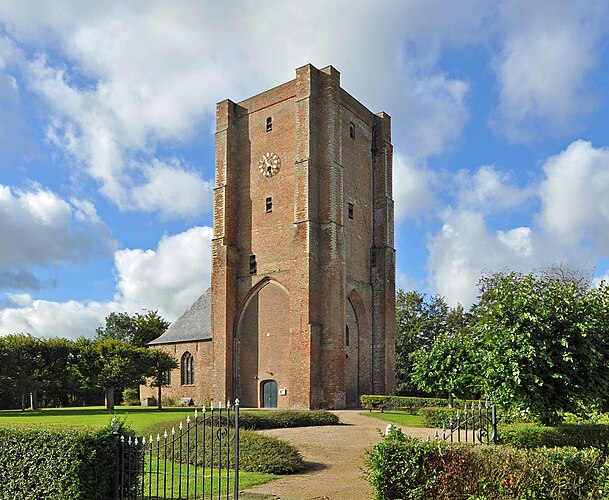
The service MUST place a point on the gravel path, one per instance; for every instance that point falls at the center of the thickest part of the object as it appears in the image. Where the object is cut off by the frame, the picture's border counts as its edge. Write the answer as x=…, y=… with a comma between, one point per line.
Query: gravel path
x=334, y=455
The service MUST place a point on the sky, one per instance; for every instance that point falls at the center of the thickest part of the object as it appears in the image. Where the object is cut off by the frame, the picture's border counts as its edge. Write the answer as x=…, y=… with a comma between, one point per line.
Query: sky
x=499, y=109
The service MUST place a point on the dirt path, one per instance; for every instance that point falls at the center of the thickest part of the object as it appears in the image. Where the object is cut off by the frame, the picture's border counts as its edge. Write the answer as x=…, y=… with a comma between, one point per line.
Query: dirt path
x=335, y=457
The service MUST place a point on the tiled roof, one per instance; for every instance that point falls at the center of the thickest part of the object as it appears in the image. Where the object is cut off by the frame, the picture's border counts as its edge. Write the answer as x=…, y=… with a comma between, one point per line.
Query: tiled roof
x=194, y=324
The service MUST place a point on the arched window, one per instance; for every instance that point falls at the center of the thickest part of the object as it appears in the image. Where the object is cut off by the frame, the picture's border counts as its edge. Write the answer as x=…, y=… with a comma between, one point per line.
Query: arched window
x=188, y=369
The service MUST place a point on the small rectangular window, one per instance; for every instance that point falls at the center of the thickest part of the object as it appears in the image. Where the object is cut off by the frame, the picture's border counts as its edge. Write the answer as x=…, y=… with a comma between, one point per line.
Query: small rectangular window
x=253, y=266
x=352, y=131
x=269, y=124
x=269, y=204
x=350, y=210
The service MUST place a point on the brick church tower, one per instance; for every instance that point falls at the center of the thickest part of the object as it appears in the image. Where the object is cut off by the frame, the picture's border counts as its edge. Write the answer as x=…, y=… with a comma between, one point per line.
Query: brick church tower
x=303, y=264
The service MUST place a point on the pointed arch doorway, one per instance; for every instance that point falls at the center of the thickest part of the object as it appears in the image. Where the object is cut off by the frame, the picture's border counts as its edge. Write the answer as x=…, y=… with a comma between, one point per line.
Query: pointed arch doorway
x=262, y=349
x=358, y=350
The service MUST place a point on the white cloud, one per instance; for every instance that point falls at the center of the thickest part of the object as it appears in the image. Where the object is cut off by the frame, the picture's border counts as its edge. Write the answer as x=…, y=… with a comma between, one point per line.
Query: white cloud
x=404, y=281
x=437, y=103
x=137, y=76
x=466, y=247
x=575, y=205
x=173, y=190
x=413, y=187
x=572, y=225
x=517, y=241
x=39, y=228
x=490, y=190
x=548, y=51
x=44, y=318
x=169, y=278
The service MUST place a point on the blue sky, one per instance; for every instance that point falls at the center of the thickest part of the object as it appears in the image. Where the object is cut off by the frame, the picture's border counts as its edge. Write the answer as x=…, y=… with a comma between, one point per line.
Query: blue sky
x=500, y=114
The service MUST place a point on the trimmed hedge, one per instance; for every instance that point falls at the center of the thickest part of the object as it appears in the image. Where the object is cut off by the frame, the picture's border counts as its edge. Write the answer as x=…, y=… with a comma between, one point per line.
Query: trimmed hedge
x=57, y=464
x=257, y=452
x=405, y=403
x=575, y=435
x=437, y=417
x=275, y=419
x=262, y=453
x=403, y=467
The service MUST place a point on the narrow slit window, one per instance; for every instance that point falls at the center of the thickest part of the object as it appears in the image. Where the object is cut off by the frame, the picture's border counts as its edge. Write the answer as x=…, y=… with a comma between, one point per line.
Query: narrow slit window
x=352, y=130
x=253, y=265
x=269, y=124
x=350, y=210
x=347, y=335
x=268, y=206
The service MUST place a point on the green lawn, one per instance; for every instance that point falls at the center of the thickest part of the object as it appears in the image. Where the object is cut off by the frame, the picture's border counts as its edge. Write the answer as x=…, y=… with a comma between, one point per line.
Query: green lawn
x=397, y=417
x=155, y=487
x=91, y=417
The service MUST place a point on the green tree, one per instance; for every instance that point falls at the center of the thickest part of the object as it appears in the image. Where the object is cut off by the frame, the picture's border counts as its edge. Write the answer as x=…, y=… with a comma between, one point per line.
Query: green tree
x=52, y=375
x=451, y=367
x=161, y=363
x=119, y=326
x=110, y=364
x=138, y=330
x=148, y=327
x=24, y=366
x=420, y=319
x=544, y=343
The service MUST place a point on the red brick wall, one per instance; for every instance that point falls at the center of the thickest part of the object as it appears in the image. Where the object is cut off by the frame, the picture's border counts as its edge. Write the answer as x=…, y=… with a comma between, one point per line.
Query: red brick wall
x=315, y=255
x=199, y=391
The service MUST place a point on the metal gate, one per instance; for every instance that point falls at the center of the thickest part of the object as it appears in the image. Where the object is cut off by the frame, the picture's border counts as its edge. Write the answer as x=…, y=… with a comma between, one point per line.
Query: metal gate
x=477, y=425
x=199, y=460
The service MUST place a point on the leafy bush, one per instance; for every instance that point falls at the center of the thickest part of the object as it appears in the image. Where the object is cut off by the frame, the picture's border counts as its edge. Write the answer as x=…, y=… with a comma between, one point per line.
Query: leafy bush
x=131, y=397
x=405, y=403
x=52, y=464
x=575, y=435
x=276, y=419
x=261, y=453
x=403, y=467
x=438, y=417
x=257, y=452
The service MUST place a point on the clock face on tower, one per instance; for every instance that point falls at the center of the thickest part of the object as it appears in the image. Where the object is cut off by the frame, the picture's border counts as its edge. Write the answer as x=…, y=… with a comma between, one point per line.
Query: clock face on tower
x=269, y=164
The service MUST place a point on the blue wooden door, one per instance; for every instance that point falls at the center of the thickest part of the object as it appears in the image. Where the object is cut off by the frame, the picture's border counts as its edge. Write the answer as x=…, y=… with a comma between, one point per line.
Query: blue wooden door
x=269, y=394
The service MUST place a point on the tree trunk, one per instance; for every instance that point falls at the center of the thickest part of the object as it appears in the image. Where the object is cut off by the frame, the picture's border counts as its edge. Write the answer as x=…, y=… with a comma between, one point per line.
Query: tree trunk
x=23, y=401
x=159, y=405
x=451, y=400
x=34, y=400
x=110, y=398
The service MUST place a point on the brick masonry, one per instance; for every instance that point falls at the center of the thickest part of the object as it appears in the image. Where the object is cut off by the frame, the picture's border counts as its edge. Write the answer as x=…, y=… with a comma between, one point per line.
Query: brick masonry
x=324, y=256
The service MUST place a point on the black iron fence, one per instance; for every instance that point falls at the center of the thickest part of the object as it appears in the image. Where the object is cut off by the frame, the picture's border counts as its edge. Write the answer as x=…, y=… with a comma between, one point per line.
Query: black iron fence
x=199, y=459
x=475, y=424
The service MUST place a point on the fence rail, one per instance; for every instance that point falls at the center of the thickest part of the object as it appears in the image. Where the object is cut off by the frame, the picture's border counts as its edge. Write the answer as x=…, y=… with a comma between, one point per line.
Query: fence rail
x=198, y=460
x=476, y=424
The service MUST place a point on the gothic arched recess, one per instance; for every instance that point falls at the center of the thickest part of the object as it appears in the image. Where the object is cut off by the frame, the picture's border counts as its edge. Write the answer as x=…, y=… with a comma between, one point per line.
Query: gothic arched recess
x=358, y=350
x=263, y=337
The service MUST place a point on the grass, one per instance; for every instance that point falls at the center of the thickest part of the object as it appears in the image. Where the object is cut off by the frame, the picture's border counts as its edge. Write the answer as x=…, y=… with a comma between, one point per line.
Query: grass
x=397, y=417
x=214, y=482
x=91, y=417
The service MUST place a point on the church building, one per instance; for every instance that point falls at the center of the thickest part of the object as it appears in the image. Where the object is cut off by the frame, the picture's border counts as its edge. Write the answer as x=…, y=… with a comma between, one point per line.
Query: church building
x=301, y=309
